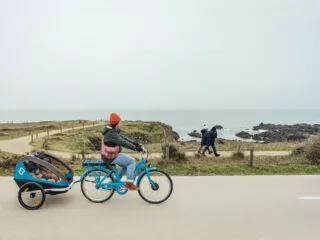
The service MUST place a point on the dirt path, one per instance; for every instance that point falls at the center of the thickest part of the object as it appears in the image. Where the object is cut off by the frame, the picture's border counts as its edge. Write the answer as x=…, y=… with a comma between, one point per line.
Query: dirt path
x=21, y=146
x=189, y=154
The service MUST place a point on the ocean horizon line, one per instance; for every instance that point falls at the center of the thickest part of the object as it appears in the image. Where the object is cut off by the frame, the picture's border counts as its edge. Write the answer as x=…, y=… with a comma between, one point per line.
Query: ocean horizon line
x=161, y=109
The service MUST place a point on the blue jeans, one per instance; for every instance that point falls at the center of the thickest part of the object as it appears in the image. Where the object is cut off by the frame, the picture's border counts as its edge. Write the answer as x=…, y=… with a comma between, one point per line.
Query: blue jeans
x=127, y=163
x=207, y=149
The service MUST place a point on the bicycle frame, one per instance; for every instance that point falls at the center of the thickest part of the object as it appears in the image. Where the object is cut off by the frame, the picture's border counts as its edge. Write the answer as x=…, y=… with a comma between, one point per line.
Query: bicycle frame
x=141, y=168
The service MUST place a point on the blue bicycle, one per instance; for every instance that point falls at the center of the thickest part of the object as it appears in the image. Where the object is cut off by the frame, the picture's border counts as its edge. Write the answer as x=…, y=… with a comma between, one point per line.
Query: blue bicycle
x=101, y=180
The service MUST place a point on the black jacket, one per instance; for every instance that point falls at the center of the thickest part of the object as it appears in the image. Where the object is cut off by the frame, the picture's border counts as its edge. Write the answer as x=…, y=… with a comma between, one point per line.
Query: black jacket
x=112, y=138
x=204, y=133
x=211, y=136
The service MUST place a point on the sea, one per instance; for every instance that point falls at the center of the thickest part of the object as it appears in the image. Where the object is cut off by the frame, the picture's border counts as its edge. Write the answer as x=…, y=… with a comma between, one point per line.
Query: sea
x=182, y=121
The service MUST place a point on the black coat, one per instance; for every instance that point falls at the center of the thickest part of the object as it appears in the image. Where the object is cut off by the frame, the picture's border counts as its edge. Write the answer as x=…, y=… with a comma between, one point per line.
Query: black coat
x=112, y=138
x=204, y=133
x=211, y=137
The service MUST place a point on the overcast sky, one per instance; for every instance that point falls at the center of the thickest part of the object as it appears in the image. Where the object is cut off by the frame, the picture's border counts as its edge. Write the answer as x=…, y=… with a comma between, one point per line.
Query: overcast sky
x=160, y=54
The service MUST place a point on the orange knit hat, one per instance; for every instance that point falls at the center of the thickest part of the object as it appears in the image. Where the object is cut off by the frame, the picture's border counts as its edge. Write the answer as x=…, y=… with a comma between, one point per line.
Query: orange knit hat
x=114, y=119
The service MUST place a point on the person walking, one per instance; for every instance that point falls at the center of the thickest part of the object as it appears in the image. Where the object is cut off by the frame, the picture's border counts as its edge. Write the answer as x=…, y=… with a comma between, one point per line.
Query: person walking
x=211, y=138
x=203, y=143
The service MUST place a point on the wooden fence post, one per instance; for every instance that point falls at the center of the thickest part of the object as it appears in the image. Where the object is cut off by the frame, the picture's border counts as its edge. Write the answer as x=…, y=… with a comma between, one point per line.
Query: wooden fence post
x=239, y=145
x=83, y=148
x=37, y=135
x=83, y=155
x=47, y=132
x=60, y=128
x=31, y=137
x=45, y=143
x=251, y=158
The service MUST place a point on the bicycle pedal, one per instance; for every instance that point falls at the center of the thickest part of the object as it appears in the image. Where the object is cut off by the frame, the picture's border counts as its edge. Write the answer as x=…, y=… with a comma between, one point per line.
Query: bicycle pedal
x=122, y=189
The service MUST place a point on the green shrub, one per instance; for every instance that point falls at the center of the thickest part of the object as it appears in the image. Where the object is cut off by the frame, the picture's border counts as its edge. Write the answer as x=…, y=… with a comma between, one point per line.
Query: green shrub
x=299, y=150
x=312, y=149
x=237, y=155
x=94, y=143
x=73, y=158
x=8, y=160
x=175, y=153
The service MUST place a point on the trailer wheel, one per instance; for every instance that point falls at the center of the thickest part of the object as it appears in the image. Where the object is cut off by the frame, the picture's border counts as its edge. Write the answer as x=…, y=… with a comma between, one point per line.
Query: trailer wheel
x=31, y=196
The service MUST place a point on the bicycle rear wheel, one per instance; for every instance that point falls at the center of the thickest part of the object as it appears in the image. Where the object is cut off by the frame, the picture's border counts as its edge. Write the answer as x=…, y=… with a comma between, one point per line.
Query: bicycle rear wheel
x=157, y=190
x=91, y=191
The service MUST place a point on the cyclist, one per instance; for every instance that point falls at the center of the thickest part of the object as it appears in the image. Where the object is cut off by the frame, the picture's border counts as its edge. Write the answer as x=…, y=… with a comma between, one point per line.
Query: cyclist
x=111, y=142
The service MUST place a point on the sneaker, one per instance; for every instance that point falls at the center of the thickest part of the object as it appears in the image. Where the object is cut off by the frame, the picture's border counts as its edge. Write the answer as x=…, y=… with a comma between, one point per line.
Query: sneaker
x=217, y=154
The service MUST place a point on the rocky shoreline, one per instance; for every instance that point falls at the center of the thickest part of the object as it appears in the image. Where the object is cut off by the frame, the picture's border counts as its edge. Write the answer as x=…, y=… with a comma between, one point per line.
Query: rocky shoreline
x=196, y=134
x=281, y=133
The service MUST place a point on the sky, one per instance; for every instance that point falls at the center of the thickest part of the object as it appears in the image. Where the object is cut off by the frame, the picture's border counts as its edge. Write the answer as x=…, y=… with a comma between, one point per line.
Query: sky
x=160, y=54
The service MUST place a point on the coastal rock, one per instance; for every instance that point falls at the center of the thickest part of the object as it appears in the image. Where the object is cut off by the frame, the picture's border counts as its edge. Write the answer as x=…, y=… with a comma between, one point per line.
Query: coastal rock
x=284, y=133
x=218, y=127
x=169, y=133
x=195, y=134
x=244, y=135
x=175, y=135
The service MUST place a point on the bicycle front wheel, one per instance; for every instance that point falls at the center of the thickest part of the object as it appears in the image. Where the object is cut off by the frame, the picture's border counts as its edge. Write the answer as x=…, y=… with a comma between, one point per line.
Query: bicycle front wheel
x=91, y=191
x=157, y=189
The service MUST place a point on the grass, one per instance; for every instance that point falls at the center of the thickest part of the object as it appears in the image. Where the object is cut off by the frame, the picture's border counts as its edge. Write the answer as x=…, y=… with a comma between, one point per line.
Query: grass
x=153, y=129
x=232, y=145
x=6, y=155
x=193, y=169
x=15, y=130
x=7, y=163
x=73, y=141
x=264, y=165
x=6, y=171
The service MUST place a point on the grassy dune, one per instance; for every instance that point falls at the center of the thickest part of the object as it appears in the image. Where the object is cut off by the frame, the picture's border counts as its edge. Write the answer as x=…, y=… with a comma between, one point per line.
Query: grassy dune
x=74, y=140
x=15, y=130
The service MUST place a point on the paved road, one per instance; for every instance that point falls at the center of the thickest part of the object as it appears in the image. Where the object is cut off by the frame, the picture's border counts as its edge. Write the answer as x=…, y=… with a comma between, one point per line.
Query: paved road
x=253, y=207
